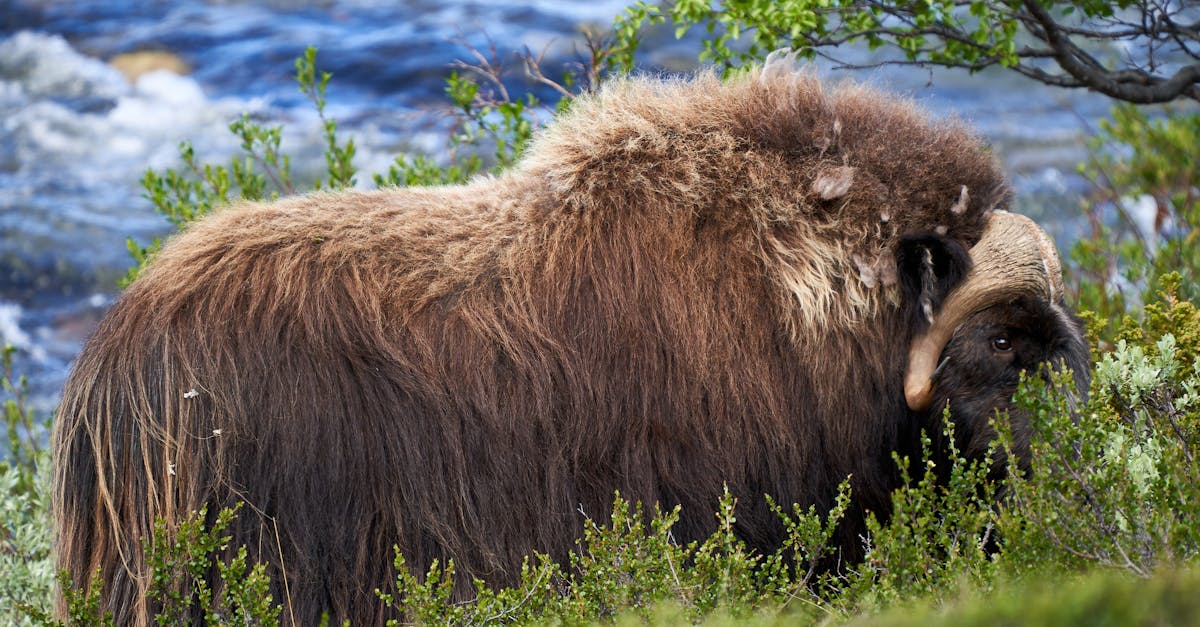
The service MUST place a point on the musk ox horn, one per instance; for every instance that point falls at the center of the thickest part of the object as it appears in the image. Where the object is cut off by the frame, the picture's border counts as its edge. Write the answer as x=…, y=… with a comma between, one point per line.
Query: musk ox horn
x=1013, y=258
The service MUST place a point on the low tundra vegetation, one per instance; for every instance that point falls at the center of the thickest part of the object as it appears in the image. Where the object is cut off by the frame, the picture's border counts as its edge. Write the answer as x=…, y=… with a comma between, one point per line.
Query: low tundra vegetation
x=1103, y=526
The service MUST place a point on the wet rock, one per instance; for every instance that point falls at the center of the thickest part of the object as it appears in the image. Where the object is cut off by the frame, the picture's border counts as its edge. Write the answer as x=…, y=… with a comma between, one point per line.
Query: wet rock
x=132, y=65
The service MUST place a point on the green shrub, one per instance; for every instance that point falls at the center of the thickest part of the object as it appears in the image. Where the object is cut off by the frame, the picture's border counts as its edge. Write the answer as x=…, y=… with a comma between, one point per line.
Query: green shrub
x=633, y=567
x=1147, y=166
x=26, y=568
x=1116, y=483
x=179, y=559
x=939, y=534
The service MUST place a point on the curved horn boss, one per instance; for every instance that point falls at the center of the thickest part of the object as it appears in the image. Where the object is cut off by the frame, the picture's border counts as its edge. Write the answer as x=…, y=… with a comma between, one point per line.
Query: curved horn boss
x=1014, y=258
x=1005, y=317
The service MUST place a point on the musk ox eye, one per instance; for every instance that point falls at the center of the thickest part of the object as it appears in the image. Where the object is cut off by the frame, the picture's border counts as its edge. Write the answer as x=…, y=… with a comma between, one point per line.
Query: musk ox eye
x=1001, y=344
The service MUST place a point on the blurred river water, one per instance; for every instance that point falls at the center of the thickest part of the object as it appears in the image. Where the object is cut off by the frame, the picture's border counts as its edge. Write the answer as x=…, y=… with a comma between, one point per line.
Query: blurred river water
x=76, y=134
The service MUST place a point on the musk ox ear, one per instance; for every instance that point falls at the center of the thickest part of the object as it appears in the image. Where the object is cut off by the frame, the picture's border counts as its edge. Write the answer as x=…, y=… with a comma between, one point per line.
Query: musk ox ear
x=929, y=266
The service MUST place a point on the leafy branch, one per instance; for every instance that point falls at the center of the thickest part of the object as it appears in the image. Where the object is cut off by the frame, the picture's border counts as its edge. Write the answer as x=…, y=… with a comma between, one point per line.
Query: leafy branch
x=1138, y=51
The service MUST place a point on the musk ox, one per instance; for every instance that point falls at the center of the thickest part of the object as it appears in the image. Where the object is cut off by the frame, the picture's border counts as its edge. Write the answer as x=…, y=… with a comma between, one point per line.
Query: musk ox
x=684, y=285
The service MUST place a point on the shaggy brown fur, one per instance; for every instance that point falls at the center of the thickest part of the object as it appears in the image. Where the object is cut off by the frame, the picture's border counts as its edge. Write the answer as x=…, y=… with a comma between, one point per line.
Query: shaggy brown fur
x=685, y=285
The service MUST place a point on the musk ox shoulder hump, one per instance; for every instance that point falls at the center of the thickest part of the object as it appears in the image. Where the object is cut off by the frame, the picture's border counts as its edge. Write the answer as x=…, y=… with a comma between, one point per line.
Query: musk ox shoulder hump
x=823, y=180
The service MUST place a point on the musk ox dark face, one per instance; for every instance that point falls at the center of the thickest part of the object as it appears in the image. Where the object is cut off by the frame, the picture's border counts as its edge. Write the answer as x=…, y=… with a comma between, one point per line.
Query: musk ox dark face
x=983, y=334
x=684, y=287
x=984, y=360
